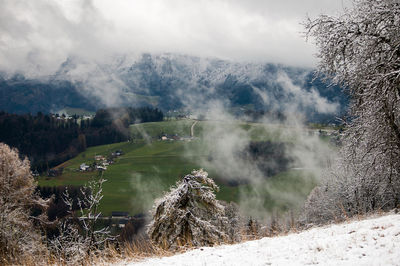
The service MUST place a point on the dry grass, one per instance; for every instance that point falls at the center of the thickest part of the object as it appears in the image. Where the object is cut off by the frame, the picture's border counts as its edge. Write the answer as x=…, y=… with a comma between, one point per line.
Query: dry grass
x=142, y=248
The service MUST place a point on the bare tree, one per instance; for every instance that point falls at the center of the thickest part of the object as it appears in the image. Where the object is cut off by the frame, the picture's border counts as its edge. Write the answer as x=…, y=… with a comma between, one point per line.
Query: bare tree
x=18, y=238
x=361, y=50
x=82, y=238
x=22, y=241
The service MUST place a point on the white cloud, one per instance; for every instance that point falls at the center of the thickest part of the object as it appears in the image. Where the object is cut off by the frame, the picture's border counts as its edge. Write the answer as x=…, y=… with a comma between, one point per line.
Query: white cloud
x=36, y=36
x=304, y=98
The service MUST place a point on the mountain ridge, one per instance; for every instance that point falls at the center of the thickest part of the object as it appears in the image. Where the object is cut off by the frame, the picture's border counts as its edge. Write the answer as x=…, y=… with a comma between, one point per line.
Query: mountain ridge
x=173, y=81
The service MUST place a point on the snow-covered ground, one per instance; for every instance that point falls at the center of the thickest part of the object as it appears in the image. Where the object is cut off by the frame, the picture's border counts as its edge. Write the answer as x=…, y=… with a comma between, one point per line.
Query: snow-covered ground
x=374, y=241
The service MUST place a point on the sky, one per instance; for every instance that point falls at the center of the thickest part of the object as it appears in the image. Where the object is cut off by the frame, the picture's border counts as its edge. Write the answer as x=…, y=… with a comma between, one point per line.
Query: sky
x=37, y=36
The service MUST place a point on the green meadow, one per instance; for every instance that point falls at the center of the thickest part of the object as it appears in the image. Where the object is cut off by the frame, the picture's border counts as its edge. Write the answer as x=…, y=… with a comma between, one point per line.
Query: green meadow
x=149, y=167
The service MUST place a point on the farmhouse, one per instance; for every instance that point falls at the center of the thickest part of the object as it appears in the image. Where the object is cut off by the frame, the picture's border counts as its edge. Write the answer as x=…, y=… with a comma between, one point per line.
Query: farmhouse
x=117, y=153
x=84, y=167
x=101, y=167
x=55, y=172
x=122, y=223
x=175, y=137
x=99, y=158
x=119, y=214
x=35, y=173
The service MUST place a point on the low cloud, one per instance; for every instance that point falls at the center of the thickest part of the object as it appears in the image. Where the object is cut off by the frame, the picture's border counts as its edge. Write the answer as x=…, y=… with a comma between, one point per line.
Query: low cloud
x=37, y=36
x=225, y=138
x=298, y=97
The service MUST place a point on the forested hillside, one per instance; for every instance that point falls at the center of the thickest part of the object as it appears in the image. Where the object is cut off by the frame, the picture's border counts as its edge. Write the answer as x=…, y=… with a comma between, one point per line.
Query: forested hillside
x=49, y=140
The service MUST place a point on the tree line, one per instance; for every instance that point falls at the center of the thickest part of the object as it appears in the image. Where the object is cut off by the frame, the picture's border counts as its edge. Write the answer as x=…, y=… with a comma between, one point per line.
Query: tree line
x=48, y=140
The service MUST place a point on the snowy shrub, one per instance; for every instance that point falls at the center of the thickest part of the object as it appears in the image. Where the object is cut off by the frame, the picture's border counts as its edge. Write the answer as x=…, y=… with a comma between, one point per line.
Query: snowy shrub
x=253, y=228
x=330, y=201
x=69, y=247
x=233, y=225
x=348, y=189
x=79, y=237
x=360, y=50
x=18, y=238
x=189, y=215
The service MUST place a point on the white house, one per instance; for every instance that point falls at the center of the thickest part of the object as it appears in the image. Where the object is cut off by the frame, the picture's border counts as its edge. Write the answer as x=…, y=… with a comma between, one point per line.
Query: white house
x=83, y=167
x=100, y=167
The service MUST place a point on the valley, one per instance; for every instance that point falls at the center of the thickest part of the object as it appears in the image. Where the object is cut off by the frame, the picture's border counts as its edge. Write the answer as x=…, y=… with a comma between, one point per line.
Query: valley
x=138, y=129
x=149, y=165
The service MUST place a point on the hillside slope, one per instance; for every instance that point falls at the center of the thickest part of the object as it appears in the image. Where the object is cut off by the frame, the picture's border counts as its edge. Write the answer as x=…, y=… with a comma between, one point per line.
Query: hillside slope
x=172, y=82
x=374, y=241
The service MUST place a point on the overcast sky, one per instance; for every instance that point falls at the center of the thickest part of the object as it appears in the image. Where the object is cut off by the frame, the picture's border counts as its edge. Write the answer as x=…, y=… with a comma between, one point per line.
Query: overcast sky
x=37, y=36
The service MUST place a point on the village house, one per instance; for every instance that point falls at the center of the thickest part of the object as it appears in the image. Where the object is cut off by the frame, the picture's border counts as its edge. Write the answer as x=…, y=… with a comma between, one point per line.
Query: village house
x=172, y=137
x=35, y=173
x=84, y=167
x=122, y=223
x=116, y=153
x=101, y=167
x=121, y=218
x=55, y=172
x=99, y=158
x=119, y=215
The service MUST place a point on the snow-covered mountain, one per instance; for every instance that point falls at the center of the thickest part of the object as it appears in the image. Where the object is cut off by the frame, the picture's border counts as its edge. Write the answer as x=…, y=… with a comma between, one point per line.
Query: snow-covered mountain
x=173, y=81
x=374, y=241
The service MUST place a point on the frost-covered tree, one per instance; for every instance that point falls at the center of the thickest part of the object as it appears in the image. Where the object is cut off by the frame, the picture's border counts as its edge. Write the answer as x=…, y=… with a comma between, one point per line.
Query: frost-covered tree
x=80, y=237
x=18, y=238
x=361, y=50
x=189, y=215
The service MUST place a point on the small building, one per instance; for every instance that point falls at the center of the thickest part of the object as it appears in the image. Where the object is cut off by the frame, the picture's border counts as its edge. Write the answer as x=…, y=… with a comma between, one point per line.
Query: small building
x=119, y=215
x=84, y=167
x=101, y=168
x=35, y=173
x=55, y=172
x=117, y=153
x=122, y=223
x=99, y=158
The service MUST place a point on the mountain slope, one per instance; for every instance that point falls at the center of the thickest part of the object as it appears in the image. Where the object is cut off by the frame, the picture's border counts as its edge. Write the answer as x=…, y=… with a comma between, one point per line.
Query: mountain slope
x=20, y=95
x=374, y=241
x=171, y=81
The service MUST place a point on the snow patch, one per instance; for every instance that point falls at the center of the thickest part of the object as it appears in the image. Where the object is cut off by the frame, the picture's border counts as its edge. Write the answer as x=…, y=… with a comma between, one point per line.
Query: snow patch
x=374, y=241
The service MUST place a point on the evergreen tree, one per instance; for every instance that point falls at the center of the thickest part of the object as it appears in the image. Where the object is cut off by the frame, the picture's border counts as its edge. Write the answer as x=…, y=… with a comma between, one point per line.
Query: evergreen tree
x=189, y=215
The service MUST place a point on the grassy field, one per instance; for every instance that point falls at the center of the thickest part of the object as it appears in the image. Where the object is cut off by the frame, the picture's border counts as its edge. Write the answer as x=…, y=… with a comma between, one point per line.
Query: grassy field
x=157, y=129
x=256, y=131
x=147, y=169
x=136, y=177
